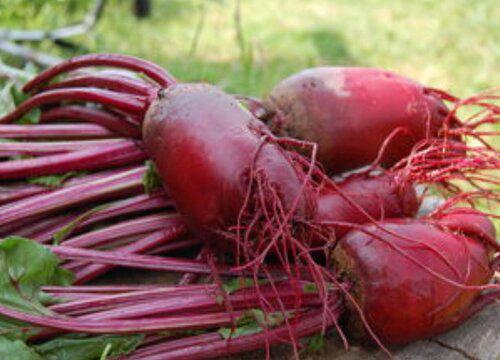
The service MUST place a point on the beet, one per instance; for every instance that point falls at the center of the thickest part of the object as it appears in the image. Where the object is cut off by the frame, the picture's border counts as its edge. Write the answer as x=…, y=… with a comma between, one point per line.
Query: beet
x=349, y=112
x=361, y=196
x=206, y=146
x=407, y=298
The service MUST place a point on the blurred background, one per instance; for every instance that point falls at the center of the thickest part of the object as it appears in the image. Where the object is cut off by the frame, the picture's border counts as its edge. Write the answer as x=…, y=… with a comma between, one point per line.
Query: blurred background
x=247, y=46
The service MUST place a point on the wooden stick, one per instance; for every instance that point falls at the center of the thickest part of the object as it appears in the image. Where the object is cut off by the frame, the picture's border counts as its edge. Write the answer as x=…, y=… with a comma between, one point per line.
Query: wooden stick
x=64, y=32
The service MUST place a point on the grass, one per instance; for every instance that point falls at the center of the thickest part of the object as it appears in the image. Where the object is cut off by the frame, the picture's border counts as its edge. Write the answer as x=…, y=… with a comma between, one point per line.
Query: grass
x=451, y=44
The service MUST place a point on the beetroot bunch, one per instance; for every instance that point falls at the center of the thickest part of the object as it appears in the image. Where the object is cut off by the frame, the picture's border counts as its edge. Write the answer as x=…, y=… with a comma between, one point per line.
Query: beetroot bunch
x=282, y=250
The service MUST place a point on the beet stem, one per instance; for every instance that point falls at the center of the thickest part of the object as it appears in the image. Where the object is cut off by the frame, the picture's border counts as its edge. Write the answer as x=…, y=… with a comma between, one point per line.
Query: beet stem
x=109, y=211
x=110, y=82
x=54, y=131
x=139, y=261
x=127, y=103
x=141, y=225
x=8, y=149
x=124, y=182
x=121, y=153
x=162, y=77
x=113, y=122
x=142, y=245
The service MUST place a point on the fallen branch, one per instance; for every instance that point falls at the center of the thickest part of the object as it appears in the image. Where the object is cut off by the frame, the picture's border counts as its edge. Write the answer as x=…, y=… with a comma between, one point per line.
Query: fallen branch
x=27, y=54
x=64, y=32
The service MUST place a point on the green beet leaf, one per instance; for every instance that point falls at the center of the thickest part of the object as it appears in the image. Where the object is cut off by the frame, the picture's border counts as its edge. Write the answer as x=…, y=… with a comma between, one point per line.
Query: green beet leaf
x=26, y=266
x=53, y=181
x=151, y=179
x=17, y=349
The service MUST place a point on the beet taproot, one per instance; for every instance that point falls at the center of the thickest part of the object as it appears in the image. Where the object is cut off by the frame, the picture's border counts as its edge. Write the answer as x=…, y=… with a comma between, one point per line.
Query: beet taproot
x=415, y=278
x=350, y=112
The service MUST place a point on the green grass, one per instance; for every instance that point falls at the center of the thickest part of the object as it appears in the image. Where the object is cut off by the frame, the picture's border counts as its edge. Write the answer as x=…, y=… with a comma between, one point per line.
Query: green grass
x=451, y=44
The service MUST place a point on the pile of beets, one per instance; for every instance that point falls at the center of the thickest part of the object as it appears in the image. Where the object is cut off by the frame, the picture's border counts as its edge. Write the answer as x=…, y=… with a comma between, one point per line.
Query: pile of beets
x=283, y=217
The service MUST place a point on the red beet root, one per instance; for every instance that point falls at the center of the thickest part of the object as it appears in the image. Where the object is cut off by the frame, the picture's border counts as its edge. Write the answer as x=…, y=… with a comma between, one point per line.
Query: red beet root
x=402, y=300
x=361, y=196
x=349, y=112
x=205, y=146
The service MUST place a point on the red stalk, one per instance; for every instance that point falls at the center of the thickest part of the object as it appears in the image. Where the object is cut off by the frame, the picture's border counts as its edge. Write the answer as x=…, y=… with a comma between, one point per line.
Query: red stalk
x=54, y=131
x=155, y=72
x=176, y=246
x=161, y=237
x=184, y=322
x=18, y=191
x=109, y=211
x=116, y=124
x=139, y=261
x=144, y=224
x=103, y=296
x=53, y=147
x=111, y=82
x=244, y=299
x=206, y=347
x=29, y=230
x=108, y=187
x=123, y=153
x=128, y=103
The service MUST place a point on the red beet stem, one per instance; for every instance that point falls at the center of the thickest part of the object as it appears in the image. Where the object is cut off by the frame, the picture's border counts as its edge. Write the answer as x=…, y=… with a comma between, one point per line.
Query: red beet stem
x=101, y=290
x=141, y=225
x=18, y=191
x=176, y=246
x=109, y=187
x=108, y=211
x=205, y=347
x=202, y=302
x=111, y=82
x=183, y=322
x=139, y=261
x=180, y=343
x=41, y=223
x=54, y=131
x=31, y=228
x=192, y=278
x=128, y=103
x=84, y=274
x=156, y=73
x=149, y=242
x=53, y=147
x=122, y=153
x=117, y=124
x=104, y=296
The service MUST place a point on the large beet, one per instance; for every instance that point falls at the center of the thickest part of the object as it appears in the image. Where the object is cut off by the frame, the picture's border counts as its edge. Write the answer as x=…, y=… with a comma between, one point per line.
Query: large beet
x=208, y=149
x=350, y=111
x=406, y=298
